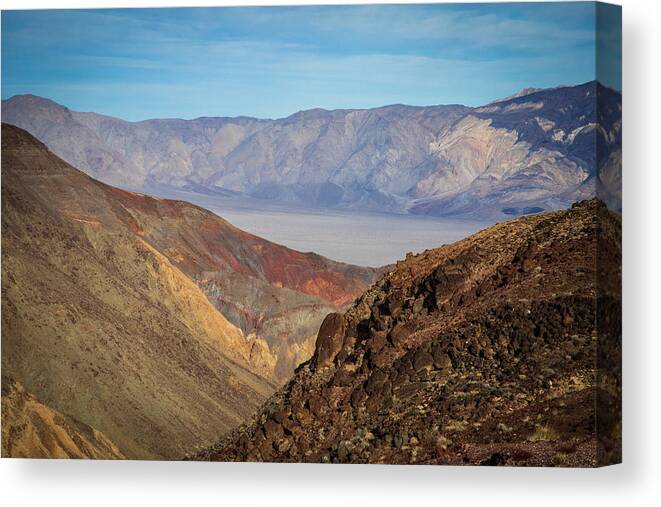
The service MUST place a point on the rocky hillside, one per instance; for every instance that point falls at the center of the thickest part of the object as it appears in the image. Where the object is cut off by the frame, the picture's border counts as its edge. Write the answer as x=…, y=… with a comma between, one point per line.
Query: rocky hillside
x=107, y=314
x=536, y=149
x=480, y=352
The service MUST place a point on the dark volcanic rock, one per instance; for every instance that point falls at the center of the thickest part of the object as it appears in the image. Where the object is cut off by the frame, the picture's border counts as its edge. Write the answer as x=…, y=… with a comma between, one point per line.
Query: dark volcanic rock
x=423, y=360
x=329, y=339
x=489, y=357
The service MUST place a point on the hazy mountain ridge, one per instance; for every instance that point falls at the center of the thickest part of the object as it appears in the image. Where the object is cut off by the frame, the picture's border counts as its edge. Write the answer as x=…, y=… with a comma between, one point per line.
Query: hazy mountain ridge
x=536, y=149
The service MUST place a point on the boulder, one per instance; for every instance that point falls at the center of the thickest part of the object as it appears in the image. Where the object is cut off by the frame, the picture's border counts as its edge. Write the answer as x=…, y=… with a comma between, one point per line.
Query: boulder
x=399, y=333
x=422, y=360
x=442, y=360
x=395, y=306
x=329, y=339
x=401, y=379
x=302, y=415
x=358, y=398
x=375, y=381
x=378, y=340
x=272, y=429
x=419, y=305
x=318, y=405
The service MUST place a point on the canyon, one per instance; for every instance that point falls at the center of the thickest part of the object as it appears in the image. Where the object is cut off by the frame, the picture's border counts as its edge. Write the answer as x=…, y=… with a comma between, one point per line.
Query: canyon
x=144, y=318
x=449, y=296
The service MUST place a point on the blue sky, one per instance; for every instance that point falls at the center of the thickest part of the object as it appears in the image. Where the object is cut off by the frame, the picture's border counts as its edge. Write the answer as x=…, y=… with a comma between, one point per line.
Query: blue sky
x=273, y=61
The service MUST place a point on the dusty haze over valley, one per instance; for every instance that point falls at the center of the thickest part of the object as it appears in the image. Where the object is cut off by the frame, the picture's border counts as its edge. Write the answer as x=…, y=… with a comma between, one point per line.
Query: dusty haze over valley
x=366, y=238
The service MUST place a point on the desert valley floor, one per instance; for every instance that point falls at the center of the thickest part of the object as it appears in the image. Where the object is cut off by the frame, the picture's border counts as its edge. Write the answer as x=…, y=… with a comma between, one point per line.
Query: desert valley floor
x=356, y=237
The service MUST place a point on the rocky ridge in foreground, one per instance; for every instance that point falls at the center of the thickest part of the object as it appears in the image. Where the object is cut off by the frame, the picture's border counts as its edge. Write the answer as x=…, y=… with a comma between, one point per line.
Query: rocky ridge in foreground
x=481, y=352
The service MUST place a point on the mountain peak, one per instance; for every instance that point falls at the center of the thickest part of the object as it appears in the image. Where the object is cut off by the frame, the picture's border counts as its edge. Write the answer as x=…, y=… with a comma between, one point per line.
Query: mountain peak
x=521, y=93
x=30, y=100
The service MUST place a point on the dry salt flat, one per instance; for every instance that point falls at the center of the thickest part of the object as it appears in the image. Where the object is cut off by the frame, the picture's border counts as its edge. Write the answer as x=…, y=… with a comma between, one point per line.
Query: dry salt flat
x=362, y=238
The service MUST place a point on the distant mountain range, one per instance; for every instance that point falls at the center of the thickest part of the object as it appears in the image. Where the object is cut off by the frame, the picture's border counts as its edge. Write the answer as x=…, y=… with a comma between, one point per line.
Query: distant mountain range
x=536, y=150
x=141, y=327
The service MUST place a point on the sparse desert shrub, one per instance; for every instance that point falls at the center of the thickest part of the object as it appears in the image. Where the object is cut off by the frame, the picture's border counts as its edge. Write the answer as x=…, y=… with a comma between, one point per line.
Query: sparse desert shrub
x=455, y=425
x=504, y=428
x=543, y=434
x=559, y=459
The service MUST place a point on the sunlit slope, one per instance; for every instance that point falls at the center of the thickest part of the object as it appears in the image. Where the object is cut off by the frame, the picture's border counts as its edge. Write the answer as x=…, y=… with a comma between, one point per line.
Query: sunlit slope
x=30, y=429
x=99, y=325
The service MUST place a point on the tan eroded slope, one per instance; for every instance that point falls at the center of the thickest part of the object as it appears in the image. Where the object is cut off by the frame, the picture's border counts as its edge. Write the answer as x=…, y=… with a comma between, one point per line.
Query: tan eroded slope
x=99, y=325
x=30, y=429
